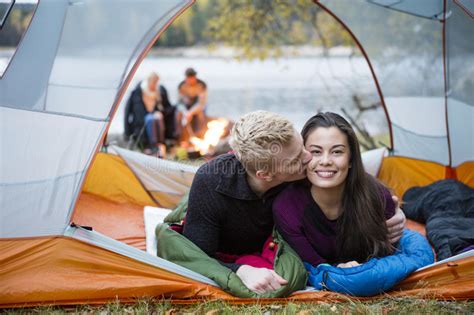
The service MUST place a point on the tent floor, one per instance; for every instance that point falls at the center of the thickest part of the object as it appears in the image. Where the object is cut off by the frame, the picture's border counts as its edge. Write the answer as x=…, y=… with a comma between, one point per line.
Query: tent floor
x=120, y=221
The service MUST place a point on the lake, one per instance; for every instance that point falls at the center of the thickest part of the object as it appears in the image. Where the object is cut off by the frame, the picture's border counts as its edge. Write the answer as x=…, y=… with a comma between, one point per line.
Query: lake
x=295, y=87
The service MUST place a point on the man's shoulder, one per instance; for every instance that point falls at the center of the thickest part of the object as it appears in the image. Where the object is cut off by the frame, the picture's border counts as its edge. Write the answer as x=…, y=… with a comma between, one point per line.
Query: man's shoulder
x=202, y=83
x=223, y=165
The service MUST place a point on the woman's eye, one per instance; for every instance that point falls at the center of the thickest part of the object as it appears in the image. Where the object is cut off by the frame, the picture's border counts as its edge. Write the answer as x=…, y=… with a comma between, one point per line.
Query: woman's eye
x=314, y=152
x=338, y=152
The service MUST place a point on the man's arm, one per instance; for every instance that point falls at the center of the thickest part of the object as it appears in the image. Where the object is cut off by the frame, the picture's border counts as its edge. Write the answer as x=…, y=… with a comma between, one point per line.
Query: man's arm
x=202, y=99
x=202, y=227
x=181, y=94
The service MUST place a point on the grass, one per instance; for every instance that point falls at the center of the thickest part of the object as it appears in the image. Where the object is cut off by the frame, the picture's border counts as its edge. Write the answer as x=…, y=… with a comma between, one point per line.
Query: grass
x=151, y=306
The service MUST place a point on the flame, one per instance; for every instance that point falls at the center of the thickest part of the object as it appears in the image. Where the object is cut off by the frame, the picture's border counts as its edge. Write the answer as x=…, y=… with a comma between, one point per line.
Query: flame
x=215, y=130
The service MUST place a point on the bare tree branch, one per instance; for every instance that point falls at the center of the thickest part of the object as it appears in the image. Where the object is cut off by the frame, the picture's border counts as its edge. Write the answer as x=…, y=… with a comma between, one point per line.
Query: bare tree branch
x=368, y=142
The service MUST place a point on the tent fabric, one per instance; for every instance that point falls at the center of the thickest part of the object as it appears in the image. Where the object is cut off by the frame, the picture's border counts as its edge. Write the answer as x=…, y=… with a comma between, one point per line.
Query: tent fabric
x=465, y=173
x=36, y=267
x=426, y=9
x=35, y=270
x=49, y=140
x=422, y=69
x=91, y=31
x=99, y=240
x=460, y=93
x=109, y=177
x=105, y=216
x=41, y=169
x=33, y=73
x=167, y=181
x=55, y=107
x=453, y=280
x=467, y=6
x=414, y=139
x=401, y=174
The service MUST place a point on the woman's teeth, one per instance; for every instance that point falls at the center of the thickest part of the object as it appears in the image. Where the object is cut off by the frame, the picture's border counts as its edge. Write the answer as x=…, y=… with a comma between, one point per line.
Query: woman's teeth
x=325, y=174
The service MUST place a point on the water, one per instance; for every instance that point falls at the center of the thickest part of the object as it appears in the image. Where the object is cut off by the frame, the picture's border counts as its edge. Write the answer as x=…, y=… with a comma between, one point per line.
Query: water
x=294, y=87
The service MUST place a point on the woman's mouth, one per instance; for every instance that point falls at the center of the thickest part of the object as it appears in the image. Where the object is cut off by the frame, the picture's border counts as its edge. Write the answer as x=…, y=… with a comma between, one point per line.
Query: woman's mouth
x=326, y=174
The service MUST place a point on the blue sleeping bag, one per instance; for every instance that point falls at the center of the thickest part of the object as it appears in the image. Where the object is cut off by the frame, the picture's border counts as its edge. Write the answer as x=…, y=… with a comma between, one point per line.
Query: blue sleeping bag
x=378, y=274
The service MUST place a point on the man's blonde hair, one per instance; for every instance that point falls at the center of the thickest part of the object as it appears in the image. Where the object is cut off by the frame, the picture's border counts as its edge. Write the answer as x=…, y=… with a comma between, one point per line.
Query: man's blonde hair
x=259, y=135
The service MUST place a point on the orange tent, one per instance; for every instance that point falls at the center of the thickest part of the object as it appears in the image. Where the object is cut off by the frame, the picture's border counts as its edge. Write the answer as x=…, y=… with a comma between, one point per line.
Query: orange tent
x=93, y=267
x=67, y=238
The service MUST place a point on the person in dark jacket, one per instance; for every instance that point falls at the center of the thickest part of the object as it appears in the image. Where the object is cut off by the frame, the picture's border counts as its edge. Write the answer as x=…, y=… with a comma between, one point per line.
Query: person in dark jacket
x=149, y=116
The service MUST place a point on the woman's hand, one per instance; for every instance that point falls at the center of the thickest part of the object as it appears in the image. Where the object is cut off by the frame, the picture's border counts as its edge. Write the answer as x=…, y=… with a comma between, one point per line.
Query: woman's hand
x=348, y=264
x=396, y=224
x=260, y=280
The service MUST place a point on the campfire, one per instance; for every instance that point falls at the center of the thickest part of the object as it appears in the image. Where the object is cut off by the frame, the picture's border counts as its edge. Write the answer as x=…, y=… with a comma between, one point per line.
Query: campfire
x=215, y=130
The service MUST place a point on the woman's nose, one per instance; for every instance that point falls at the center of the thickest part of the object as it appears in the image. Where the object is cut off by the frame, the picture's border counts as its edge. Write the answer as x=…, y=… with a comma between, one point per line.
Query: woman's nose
x=325, y=159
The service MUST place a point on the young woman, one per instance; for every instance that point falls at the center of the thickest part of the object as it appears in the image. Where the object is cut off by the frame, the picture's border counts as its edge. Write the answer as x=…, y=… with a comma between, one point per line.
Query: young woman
x=338, y=216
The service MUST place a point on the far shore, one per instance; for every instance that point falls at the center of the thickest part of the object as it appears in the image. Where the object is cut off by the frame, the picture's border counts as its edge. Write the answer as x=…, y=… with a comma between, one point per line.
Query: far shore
x=203, y=51
x=231, y=52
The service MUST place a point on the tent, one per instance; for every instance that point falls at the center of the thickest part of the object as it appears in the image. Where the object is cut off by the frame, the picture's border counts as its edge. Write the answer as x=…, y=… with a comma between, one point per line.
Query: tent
x=424, y=77
x=71, y=217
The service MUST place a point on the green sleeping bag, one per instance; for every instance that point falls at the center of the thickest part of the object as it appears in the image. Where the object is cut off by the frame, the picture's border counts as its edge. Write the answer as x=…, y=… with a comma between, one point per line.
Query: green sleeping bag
x=176, y=248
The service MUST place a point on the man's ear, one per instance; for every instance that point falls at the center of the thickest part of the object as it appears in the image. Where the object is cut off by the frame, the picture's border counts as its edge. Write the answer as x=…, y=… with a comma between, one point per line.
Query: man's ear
x=263, y=175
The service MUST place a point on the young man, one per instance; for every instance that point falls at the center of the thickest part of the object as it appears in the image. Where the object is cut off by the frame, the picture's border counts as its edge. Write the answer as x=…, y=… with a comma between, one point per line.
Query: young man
x=193, y=95
x=230, y=202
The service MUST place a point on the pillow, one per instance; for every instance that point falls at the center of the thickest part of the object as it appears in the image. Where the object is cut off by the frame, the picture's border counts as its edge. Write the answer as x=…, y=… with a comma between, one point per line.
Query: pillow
x=152, y=216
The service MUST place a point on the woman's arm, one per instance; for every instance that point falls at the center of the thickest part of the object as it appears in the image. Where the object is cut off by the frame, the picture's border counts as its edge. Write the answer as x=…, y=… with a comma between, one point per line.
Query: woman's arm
x=294, y=236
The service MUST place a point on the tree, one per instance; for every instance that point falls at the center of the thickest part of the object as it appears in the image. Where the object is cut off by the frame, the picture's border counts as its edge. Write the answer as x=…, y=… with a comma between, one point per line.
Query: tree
x=261, y=27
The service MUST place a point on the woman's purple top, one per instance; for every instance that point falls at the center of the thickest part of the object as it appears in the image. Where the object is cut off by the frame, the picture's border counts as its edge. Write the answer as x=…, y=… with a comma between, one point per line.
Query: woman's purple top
x=304, y=226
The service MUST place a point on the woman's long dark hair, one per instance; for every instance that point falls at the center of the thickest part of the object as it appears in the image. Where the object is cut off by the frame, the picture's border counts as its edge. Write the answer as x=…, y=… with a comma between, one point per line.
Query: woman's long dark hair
x=362, y=232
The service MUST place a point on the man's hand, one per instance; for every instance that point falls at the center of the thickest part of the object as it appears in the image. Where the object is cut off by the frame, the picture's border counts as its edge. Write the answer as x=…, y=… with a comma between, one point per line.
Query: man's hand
x=396, y=224
x=260, y=280
x=348, y=264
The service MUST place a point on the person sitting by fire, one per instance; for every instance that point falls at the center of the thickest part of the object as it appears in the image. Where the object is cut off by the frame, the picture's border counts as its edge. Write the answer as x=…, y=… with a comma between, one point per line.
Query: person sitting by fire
x=149, y=116
x=193, y=98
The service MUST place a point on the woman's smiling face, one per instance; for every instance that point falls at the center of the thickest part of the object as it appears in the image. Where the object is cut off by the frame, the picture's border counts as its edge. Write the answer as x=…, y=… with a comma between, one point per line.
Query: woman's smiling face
x=331, y=157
